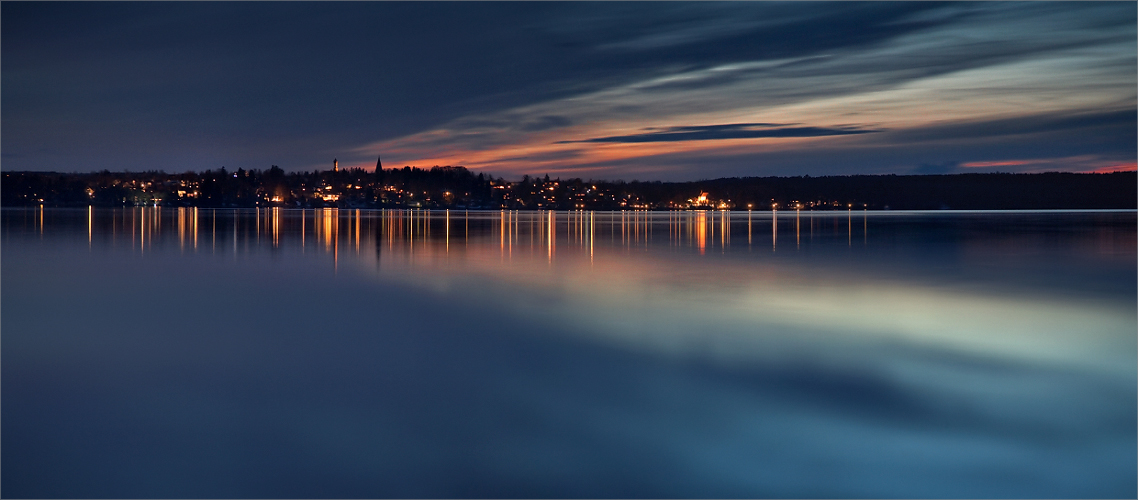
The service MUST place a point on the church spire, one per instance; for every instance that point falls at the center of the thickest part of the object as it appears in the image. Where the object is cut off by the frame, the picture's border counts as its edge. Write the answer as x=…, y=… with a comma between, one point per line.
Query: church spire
x=335, y=165
x=378, y=164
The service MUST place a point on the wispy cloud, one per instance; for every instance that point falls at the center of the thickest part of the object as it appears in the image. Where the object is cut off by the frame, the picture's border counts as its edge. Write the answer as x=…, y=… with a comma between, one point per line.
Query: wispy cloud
x=727, y=131
x=526, y=87
x=1118, y=167
x=1003, y=163
x=1081, y=163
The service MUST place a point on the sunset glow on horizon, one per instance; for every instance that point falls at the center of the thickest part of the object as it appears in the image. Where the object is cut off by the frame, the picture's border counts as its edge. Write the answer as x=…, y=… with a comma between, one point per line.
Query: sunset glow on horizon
x=672, y=91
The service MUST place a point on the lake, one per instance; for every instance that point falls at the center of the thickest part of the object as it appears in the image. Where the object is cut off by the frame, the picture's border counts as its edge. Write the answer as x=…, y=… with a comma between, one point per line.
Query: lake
x=156, y=352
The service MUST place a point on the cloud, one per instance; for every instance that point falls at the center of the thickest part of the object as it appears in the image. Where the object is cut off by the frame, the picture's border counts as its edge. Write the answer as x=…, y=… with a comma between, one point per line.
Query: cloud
x=727, y=131
x=546, y=123
x=988, y=164
x=1091, y=163
x=199, y=85
x=952, y=76
x=540, y=157
x=1118, y=167
x=1115, y=125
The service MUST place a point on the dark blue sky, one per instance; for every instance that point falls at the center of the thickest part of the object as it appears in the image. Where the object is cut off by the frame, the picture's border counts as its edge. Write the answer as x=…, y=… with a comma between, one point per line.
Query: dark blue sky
x=672, y=91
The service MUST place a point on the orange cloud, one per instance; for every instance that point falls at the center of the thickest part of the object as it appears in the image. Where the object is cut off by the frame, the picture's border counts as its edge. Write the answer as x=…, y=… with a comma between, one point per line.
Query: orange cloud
x=1119, y=167
x=1084, y=164
x=1005, y=163
x=543, y=153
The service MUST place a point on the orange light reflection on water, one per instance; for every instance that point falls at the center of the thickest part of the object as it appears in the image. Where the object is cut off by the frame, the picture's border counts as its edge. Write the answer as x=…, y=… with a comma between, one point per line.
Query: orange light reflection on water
x=610, y=264
x=605, y=260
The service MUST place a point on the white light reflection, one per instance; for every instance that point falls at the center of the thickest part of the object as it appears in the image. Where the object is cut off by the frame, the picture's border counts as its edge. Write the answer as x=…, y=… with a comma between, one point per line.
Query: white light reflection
x=750, y=302
x=774, y=230
x=763, y=310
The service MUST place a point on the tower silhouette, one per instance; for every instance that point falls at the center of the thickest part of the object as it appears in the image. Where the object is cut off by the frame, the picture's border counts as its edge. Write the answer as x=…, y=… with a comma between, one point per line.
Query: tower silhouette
x=335, y=165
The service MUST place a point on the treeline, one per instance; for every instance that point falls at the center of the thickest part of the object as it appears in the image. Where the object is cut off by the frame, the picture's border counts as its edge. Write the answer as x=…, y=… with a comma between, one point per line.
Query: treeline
x=248, y=188
x=992, y=191
x=457, y=187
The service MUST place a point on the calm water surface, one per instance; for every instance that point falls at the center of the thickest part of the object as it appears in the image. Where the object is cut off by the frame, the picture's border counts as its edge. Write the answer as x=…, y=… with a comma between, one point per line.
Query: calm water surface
x=345, y=353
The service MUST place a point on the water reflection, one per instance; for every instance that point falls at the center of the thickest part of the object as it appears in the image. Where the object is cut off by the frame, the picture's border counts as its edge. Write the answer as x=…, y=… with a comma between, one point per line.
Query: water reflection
x=419, y=240
x=502, y=353
x=774, y=230
x=572, y=234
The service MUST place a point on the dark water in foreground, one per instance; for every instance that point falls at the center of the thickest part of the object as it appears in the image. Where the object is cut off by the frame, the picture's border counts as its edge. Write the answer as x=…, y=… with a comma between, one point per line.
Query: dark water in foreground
x=344, y=353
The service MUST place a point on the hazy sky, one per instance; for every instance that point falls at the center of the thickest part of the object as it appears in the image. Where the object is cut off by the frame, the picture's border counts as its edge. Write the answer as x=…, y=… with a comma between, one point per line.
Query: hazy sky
x=670, y=91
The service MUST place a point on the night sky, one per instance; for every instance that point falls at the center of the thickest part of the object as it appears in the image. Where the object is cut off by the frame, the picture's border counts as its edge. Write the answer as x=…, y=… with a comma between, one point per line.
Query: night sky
x=668, y=91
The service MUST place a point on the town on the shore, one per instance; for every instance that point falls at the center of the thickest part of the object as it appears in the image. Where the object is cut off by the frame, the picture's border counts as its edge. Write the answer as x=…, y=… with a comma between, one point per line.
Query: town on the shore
x=452, y=187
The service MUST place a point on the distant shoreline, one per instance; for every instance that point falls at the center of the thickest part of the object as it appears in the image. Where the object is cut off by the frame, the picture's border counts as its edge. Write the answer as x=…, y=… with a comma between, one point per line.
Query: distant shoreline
x=459, y=188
